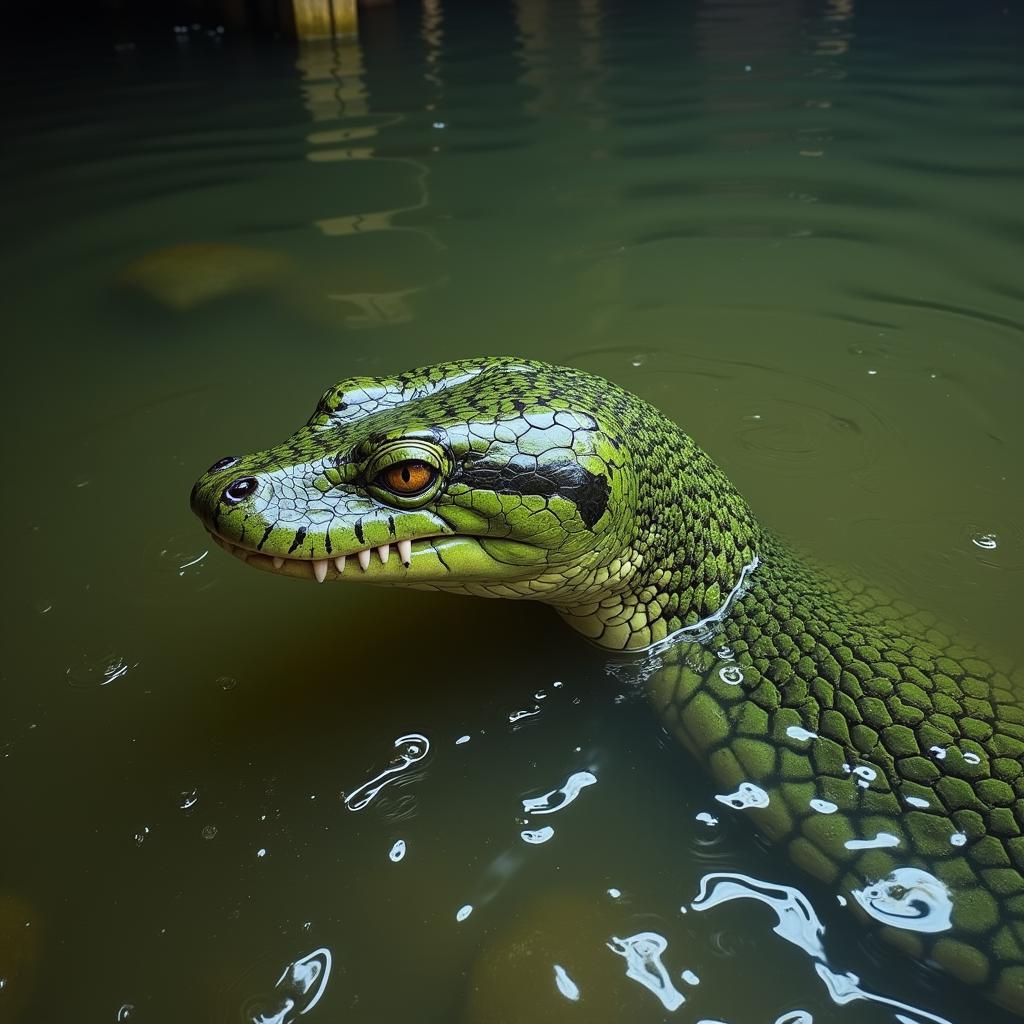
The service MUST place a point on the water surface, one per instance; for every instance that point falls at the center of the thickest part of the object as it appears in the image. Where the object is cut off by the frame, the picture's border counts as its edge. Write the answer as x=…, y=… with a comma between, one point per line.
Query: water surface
x=794, y=227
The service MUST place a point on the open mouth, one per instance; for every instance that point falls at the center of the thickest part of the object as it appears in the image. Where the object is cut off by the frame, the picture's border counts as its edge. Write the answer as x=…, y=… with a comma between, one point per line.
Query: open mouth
x=397, y=556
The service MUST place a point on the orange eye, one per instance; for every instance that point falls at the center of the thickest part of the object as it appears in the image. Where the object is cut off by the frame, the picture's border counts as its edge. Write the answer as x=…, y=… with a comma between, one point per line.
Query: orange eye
x=408, y=477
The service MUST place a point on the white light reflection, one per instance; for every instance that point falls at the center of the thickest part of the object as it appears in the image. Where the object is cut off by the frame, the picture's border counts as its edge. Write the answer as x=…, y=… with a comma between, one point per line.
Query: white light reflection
x=881, y=841
x=562, y=797
x=411, y=750
x=397, y=851
x=642, y=953
x=540, y=835
x=748, y=795
x=518, y=716
x=300, y=987
x=566, y=985
x=845, y=988
x=795, y=732
x=799, y=925
x=908, y=898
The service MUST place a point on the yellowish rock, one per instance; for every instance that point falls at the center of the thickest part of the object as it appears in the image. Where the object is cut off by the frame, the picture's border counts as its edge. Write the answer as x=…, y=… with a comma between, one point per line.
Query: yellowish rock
x=183, y=277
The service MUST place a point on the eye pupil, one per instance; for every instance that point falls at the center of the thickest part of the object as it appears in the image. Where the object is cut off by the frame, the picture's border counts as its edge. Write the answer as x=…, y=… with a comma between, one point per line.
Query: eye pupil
x=408, y=478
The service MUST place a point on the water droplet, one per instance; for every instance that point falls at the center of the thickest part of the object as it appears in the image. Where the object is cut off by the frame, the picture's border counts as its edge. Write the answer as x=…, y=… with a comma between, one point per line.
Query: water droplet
x=562, y=797
x=615, y=893
x=227, y=682
x=461, y=740
x=189, y=798
x=881, y=841
x=690, y=978
x=463, y=912
x=748, y=795
x=411, y=749
x=957, y=839
x=541, y=835
x=732, y=675
x=518, y=716
x=98, y=671
x=864, y=772
x=910, y=899
x=557, y=685
x=986, y=541
x=971, y=758
x=566, y=985
x=795, y=732
x=125, y=1011
x=209, y=832
x=397, y=851
x=140, y=837
x=261, y=852
x=642, y=953
x=939, y=752
x=824, y=806
x=638, y=360
x=709, y=819
x=917, y=801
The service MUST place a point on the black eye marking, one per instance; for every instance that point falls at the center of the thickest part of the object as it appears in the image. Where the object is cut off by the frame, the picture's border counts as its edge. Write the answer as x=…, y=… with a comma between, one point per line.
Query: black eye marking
x=589, y=492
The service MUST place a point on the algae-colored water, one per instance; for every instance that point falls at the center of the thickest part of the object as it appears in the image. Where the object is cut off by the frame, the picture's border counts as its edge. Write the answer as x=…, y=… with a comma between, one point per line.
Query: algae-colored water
x=797, y=228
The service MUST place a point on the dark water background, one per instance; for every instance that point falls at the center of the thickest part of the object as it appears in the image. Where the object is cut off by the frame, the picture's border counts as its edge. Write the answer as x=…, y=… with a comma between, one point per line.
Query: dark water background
x=796, y=227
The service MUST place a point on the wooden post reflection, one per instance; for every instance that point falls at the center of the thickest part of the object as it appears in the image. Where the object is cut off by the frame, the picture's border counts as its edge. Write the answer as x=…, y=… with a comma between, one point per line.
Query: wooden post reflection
x=325, y=19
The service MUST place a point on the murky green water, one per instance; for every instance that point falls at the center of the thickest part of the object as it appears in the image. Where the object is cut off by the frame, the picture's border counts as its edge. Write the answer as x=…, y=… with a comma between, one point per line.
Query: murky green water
x=796, y=228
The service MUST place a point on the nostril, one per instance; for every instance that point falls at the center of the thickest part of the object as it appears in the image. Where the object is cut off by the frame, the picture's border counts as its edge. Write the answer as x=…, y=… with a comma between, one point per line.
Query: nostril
x=240, y=489
x=226, y=463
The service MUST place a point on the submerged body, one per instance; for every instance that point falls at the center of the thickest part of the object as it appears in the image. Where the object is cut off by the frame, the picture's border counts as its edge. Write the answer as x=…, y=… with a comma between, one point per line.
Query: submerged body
x=886, y=759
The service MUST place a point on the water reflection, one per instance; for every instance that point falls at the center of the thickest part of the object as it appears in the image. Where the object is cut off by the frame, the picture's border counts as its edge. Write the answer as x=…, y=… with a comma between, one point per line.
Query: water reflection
x=798, y=923
x=366, y=290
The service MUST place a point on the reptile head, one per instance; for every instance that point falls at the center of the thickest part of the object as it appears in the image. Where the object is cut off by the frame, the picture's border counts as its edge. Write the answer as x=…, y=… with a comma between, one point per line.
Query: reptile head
x=498, y=477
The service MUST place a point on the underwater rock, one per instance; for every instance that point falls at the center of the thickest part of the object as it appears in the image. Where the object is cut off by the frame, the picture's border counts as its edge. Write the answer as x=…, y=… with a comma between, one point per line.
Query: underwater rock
x=183, y=277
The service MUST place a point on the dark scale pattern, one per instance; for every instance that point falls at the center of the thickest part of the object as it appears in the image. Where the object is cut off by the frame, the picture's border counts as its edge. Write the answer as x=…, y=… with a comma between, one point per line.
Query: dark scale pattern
x=881, y=744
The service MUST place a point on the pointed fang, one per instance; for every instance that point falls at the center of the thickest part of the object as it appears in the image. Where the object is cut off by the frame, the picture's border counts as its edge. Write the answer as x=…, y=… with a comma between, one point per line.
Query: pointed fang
x=320, y=569
x=405, y=552
x=364, y=559
x=339, y=563
x=383, y=551
x=278, y=561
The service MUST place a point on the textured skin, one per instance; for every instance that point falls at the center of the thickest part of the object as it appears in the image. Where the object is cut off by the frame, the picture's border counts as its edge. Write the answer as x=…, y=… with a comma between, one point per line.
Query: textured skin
x=556, y=485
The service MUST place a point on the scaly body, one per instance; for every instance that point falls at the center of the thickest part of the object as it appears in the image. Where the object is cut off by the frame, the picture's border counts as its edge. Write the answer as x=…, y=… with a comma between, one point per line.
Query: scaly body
x=878, y=744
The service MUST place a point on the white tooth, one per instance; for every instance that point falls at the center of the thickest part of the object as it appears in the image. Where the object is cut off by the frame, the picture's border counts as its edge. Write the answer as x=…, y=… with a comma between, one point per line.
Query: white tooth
x=383, y=551
x=278, y=561
x=364, y=559
x=405, y=552
x=339, y=563
x=320, y=569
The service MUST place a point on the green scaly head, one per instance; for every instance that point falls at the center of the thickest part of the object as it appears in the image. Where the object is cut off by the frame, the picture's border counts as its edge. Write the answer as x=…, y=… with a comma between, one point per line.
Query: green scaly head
x=498, y=477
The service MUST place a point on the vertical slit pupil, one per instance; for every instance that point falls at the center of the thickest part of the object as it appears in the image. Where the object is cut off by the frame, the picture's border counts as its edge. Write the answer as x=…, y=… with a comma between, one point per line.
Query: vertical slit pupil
x=405, y=474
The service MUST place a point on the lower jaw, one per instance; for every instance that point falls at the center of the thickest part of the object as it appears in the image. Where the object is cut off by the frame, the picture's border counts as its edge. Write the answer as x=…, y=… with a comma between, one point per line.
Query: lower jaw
x=394, y=561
